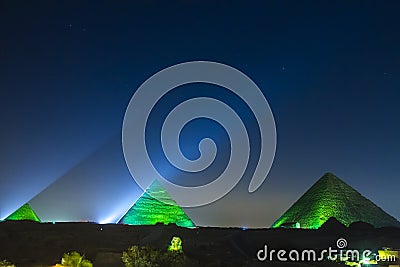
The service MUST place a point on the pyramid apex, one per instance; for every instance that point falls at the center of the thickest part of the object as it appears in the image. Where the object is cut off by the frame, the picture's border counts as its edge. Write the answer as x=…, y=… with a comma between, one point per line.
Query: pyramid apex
x=330, y=175
x=157, y=191
x=155, y=183
x=331, y=178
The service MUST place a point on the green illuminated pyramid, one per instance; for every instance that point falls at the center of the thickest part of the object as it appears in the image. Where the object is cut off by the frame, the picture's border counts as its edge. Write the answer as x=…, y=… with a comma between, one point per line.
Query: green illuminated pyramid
x=156, y=206
x=331, y=197
x=23, y=213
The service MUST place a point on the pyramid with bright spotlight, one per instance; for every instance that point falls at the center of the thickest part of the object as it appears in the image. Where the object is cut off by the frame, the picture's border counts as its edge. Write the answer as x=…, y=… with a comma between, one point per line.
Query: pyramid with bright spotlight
x=23, y=213
x=156, y=206
x=331, y=197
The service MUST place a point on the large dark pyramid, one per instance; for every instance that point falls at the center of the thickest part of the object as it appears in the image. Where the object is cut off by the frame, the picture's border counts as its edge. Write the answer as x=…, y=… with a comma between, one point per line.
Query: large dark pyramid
x=149, y=210
x=331, y=197
x=23, y=213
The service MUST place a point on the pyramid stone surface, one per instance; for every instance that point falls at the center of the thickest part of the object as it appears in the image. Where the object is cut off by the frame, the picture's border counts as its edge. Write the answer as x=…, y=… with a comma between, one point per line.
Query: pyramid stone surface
x=156, y=206
x=331, y=197
x=24, y=213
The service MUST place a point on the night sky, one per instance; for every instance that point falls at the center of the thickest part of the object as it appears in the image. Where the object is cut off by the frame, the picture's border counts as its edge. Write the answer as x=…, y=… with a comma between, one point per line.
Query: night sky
x=68, y=69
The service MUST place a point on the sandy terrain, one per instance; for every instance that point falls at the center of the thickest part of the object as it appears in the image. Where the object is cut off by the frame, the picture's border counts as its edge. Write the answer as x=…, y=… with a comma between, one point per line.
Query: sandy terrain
x=35, y=244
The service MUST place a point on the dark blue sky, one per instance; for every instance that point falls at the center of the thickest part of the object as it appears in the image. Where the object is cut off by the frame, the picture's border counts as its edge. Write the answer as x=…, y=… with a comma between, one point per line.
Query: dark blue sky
x=330, y=71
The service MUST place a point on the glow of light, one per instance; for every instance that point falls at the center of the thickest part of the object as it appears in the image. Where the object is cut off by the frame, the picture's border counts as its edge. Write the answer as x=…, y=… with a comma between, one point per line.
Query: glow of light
x=176, y=244
x=366, y=261
x=116, y=214
x=110, y=219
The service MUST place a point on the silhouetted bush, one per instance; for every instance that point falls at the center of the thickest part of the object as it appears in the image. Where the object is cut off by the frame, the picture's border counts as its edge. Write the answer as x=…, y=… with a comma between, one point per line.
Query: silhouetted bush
x=74, y=259
x=5, y=263
x=152, y=257
x=361, y=226
x=333, y=225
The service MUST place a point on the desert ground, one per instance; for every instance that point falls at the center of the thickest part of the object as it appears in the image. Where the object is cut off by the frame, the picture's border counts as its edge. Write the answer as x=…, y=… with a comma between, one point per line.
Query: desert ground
x=30, y=244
